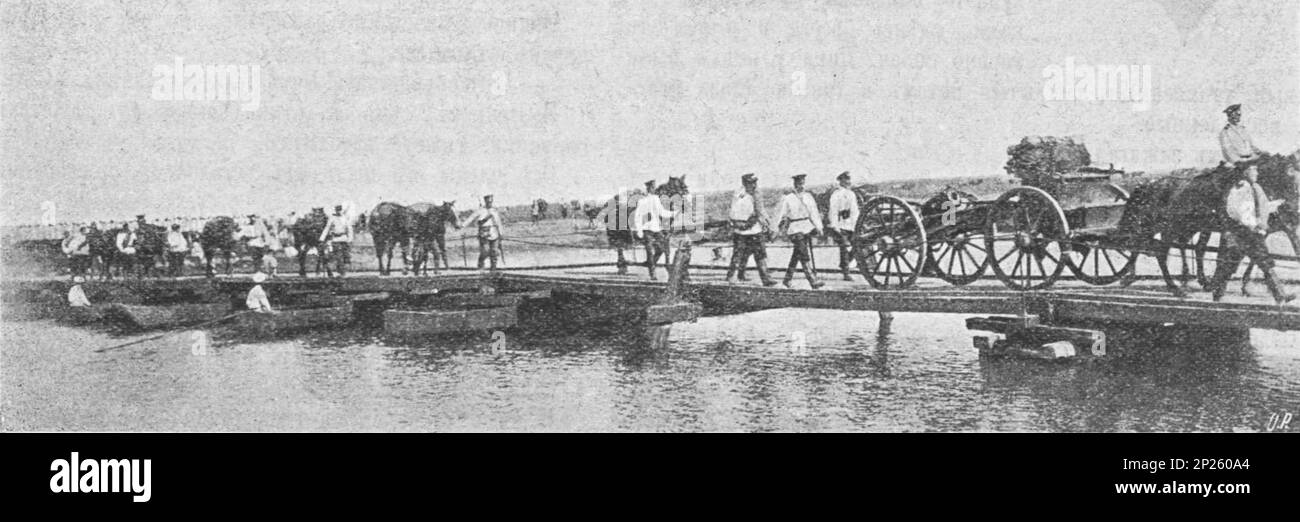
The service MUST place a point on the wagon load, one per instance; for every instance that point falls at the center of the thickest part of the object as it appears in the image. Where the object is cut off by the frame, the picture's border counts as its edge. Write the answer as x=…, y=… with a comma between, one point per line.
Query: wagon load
x=1036, y=159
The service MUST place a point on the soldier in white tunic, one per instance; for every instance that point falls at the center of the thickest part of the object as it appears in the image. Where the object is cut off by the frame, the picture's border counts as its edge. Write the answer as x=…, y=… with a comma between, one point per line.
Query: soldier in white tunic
x=843, y=216
x=799, y=217
x=750, y=226
x=647, y=227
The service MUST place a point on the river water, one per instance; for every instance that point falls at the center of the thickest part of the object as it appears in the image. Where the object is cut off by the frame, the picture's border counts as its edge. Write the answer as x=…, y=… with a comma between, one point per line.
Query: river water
x=737, y=373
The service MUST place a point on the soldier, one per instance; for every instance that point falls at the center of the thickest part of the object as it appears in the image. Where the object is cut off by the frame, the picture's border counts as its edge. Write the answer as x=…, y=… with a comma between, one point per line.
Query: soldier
x=636, y=205
x=336, y=239
x=647, y=227
x=77, y=247
x=1247, y=209
x=801, y=220
x=750, y=226
x=255, y=234
x=488, y=222
x=177, y=247
x=843, y=216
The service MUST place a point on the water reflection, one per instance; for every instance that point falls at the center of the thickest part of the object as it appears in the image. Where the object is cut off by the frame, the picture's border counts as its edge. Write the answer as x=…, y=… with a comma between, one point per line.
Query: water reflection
x=835, y=371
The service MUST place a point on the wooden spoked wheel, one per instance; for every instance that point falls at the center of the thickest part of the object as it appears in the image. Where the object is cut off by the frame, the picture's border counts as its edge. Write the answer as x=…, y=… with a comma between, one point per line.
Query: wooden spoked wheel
x=889, y=243
x=956, y=251
x=1026, y=235
x=1097, y=259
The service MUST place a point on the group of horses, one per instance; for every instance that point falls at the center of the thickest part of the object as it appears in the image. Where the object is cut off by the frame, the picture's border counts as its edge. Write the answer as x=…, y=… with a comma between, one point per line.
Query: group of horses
x=419, y=230
x=218, y=238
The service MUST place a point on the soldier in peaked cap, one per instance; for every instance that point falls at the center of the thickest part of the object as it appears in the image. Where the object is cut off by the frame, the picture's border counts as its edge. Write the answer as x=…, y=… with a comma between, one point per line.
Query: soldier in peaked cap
x=843, y=216
x=750, y=226
x=800, y=219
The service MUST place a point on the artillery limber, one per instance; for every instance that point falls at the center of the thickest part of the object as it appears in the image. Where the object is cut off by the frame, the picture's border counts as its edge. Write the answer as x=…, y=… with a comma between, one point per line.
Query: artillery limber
x=1061, y=218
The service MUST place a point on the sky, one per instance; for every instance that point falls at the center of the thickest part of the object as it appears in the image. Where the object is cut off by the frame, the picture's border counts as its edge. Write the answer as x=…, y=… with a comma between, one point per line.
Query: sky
x=412, y=101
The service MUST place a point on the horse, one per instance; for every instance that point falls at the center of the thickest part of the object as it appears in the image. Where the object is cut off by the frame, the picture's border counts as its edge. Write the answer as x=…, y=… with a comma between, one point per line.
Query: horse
x=306, y=235
x=1178, y=208
x=151, y=245
x=391, y=225
x=429, y=234
x=218, y=235
x=103, y=248
x=593, y=211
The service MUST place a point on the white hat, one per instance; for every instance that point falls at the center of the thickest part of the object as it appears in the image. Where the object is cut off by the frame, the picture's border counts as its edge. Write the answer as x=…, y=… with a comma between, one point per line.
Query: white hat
x=259, y=277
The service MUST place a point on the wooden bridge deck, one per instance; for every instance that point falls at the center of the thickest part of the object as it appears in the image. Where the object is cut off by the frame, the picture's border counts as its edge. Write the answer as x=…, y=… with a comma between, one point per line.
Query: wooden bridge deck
x=1145, y=302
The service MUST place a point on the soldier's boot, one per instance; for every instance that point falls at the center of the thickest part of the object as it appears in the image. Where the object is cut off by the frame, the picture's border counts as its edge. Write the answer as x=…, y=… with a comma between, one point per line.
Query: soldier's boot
x=789, y=276
x=1275, y=287
x=762, y=273
x=812, y=278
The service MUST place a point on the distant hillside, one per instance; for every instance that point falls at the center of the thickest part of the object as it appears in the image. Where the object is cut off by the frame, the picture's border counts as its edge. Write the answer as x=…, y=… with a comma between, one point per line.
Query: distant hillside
x=715, y=204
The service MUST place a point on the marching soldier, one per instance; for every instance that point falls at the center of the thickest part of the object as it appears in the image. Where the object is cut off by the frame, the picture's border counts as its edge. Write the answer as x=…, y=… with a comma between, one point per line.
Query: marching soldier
x=749, y=225
x=799, y=218
x=648, y=228
x=843, y=216
x=1247, y=209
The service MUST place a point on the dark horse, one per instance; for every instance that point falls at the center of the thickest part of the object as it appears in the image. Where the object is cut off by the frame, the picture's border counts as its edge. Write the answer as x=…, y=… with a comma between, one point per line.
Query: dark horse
x=1179, y=208
x=306, y=235
x=430, y=233
x=391, y=225
x=218, y=235
x=103, y=248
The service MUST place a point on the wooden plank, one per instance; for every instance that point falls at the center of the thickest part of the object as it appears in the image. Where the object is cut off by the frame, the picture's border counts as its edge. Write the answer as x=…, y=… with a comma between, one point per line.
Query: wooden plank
x=1191, y=313
x=369, y=297
x=437, y=322
x=480, y=300
x=1002, y=324
x=673, y=313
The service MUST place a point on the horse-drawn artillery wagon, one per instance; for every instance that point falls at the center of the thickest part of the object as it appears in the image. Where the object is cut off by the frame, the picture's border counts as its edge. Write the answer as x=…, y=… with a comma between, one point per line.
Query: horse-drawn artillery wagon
x=1058, y=219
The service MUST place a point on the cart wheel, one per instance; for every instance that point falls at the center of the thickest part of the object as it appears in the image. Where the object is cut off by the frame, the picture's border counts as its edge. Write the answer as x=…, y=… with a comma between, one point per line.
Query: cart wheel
x=1026, y=229
x=889, y=243
x=956, y=251
x=1098, y=260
